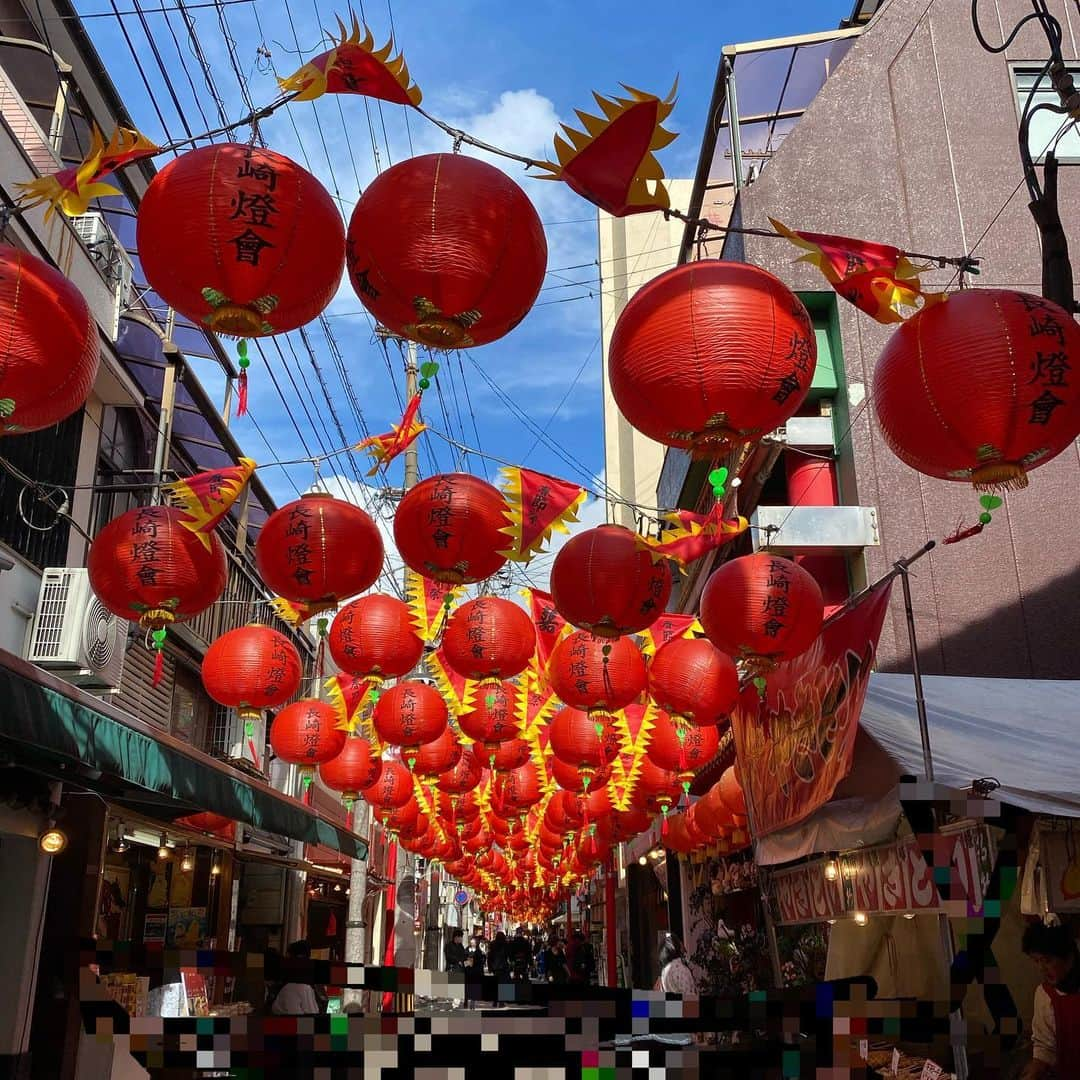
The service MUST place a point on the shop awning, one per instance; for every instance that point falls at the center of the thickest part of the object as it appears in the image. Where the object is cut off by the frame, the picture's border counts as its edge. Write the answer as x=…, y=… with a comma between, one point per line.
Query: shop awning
x=54, y=728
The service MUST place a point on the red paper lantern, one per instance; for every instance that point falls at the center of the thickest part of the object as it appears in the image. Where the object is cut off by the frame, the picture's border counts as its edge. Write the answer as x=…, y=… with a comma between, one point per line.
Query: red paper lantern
x=628, y=823
x=392, y=788
x=449, y=528
x=730, y=792
x=710, y=355
x=588, y=744
x=762, y=609
x=603, y=581
x=521, y=788
x=694, y=681
x=489, y=638
x=563, y=812
x=680, y=836
x=493, y=716
x=252, y=668
x=410, y=715
x=978, y=389
x=319, y=550
x=50, y=352
x=680, y=748
x=571, y=778
x=306, y=733
x=656, y=789
x=375, y=637
x=463, y=776
x=205, y=822
x=507, y=756
x=354, y=770
x=401, y=818
x=147, y=567
x=241, y=239
x=710, y=816
x=438, y=756
x=596, y=674
x=447, y=250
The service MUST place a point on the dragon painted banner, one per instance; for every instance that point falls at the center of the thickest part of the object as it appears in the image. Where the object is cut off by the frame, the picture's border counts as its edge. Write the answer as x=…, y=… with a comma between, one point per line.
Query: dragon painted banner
x=796, y=744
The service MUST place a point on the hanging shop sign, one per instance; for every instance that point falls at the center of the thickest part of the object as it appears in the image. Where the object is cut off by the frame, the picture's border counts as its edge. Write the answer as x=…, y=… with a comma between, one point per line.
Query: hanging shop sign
x=887, y=880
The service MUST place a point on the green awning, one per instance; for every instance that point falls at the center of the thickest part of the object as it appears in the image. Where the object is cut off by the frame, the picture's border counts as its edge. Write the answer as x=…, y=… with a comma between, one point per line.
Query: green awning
x=53, y=727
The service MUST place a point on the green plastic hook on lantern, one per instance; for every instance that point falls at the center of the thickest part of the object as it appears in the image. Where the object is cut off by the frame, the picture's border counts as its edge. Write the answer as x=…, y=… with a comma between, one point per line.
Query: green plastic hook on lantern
x=718, y=478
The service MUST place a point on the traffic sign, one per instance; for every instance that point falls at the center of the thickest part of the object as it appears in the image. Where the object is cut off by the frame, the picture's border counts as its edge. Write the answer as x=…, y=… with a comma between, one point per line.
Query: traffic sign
x=461, y=898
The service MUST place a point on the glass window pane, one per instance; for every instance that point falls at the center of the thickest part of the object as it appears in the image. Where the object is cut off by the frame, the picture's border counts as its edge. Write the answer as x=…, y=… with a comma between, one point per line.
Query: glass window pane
x=1045, y=125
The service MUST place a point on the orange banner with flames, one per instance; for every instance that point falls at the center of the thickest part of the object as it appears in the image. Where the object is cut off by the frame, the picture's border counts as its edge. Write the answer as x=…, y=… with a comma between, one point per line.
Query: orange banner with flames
x=795, y=745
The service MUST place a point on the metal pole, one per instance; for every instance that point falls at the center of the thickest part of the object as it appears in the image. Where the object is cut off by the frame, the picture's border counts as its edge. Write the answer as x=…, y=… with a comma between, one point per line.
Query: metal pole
x=733, y=123
x=916, y=671
x=165, y=420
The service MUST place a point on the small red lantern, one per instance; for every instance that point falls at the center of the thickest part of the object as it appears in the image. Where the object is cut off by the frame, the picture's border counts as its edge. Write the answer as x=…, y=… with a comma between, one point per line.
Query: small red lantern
x=241, y=239
x=306, y=733
x=147, y=567
x=730, y=792
x=489, y=638
x=710, y=355
x=507, y=756
x=205, y=822
x=392, y=788
x=50, y=353
x=447, y=250
x=563, y=812
x=493, y=716
x=352, y=772
x=589, y=745
x=521, y=788
x=977, y=389
x=603, y=581
x=596, y=674
x=710, y=816
x=682, y=749
x=762, y=609
x=252, y=668
x=438, y=756
x=410, y=715
x=319, y=550
x=680, y=836
x=449, y=528
x=463, y=776
x=656, y=789
x=374, y=637
x=402, y=818
x=571, y=778
x=694, y=681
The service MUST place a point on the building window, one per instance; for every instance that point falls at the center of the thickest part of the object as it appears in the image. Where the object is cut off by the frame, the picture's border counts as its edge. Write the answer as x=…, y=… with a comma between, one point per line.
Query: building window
x=121, y=454
x=1045, y=125
x=190, y=707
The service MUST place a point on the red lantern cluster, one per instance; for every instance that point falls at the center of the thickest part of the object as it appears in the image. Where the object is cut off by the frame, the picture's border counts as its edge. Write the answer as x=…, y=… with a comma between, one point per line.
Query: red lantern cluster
x=975, y=389
x=711, y=354
x=604, y=581
x=489, y=638
x=241, y=239
x=50, y=352
x=319, y=550
x=449, y=528
x=447, y=250
x=374, y=637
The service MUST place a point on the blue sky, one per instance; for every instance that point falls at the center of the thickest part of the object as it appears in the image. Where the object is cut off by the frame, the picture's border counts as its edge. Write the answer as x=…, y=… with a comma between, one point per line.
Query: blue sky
x=508, y=72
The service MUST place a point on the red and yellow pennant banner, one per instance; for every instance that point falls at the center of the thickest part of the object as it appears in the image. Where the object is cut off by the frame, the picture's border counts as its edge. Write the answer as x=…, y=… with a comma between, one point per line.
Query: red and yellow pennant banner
x=688, y=536
x=428, y=604
x=460, y=693
x=71, y=190
x=384, y=448
x=635, y=725
x=295, y=613
x=878, y=279
x=535, y=706
x=667, y=628
x=354, y=66
x=207, y=497
x=537, y=505
x=550, y=627
x=612, y=162
x=348, y=694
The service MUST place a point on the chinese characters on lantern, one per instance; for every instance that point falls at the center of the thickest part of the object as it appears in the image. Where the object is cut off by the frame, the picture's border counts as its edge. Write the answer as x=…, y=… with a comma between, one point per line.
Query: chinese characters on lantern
x=1049, y=366
x=775, y=605
x=253, y=206
x=311, y=734
x=441, y=513
x=276, y=670
x=298, y=553
x=145, y=549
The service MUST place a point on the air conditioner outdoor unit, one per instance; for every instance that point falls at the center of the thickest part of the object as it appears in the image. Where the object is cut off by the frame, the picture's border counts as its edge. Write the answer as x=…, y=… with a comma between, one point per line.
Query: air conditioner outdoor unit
x=107, y=251
x=74, y=634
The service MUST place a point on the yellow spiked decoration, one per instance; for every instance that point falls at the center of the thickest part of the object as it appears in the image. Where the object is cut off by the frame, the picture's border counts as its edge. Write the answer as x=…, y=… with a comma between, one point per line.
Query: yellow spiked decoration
x=354, y=66
x=429, y=603
x=612, y=163
x=72, y=189
x=207, y=497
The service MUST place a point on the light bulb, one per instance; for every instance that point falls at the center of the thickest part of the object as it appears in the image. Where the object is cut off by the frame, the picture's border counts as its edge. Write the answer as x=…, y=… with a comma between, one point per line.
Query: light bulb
x=832, y=871
x=215, y=869
x=643, y=861
x=909, y=914
x=163, y=849
x=187, y=863
x=337, y=886
x=53, y=840
x=861, y=918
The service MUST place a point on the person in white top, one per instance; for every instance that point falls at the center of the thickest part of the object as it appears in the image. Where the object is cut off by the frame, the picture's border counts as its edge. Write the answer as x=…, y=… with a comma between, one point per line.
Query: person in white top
x=297, y=999
x=675, y=974
x=1055, y=1024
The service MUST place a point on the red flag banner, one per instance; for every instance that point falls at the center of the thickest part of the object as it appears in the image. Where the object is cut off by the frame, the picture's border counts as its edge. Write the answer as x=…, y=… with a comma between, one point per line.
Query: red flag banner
x=207, y=497
x=878, y=279
x=427, y=603
x=458, y=691
x=354, y=66
x=348, y=694
x=537, y=505
x=295, y=613
x=667, y=628
x=796, y=744
x=550, y=627
x=688, y=536
x=384, y=448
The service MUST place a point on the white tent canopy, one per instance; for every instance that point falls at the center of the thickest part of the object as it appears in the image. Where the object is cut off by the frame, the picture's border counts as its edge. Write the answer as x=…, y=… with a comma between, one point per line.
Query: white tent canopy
x=1025, y=733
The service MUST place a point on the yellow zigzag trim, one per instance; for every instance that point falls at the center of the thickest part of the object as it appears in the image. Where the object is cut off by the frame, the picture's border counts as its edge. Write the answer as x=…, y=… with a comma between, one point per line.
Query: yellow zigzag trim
x=513, y=515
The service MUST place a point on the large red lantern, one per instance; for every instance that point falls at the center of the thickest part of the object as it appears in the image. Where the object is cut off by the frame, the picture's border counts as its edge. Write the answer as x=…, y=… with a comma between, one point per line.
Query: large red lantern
x=509, y=755
x=730, y=792
x=978, y=389
x=391, y=789
x=463, y=776
x=375, y=637
x=252, y=668
x=563, y=812
x=571, y=778
x=493, y=717
x=596, y=674
x=449, y=528
x=521, y=788
x=439, y=755
x=50, y=352
x=710, y=355
x=353, y=771
x=402, y=818
x=319, y=550
x=307, y=734
x=447, y=250
x=410, y=715
x=694, y=681
x=603, y=581
x=147, y=567
x=762, y=609
x=241, y=239
x=587, y=744
x=489, y=638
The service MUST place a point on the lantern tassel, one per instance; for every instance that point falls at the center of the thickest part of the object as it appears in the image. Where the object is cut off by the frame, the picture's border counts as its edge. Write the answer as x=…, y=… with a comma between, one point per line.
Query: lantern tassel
x=242, y=394
x=158, y=637
x=664, y=826
x=307, y=788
